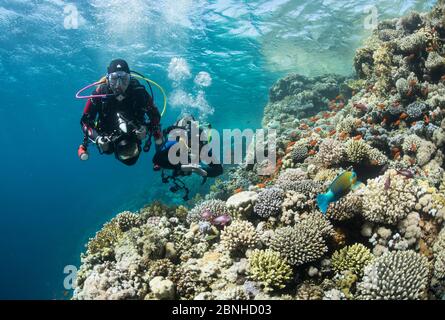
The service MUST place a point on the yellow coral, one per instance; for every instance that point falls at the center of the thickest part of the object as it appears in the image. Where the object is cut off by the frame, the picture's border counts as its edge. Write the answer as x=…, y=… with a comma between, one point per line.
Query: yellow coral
x=352, y=258
x=268, y=268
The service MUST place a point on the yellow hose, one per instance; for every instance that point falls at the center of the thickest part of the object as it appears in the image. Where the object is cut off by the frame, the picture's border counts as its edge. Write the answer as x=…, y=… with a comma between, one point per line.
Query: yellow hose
x=160, y=88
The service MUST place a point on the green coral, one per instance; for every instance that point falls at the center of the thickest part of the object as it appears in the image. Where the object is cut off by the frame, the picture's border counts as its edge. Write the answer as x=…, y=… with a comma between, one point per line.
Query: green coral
x=157, y=209
x=352, y=258
x=345, y=283
x=105, y=239
x=268, y=268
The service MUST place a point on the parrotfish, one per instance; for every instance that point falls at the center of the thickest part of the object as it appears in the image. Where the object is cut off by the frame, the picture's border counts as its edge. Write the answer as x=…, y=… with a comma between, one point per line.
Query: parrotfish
x=341, y=185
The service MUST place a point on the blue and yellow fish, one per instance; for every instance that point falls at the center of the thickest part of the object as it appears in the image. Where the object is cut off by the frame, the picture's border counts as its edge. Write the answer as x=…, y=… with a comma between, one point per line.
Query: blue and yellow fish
x=341, y=185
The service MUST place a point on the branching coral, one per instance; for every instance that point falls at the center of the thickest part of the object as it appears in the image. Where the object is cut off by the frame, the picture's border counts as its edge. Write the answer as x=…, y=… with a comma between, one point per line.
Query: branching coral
x=352, y=258
x=316, y=221
x=331, y=153
x=127, y=220
x=105, y=239
x=309, y=188
x=388, y=198
x=161, y=268
x=269, y=269
x=439, y=255
x=239, y=236
x=189, y=283
x=357, y=151
x=299, y=153
x=309, y=291
x=299, y=245
x=397, y=275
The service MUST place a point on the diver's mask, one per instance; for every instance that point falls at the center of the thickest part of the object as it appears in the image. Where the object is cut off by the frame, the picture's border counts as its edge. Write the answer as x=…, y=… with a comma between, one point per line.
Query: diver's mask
x=118, y=82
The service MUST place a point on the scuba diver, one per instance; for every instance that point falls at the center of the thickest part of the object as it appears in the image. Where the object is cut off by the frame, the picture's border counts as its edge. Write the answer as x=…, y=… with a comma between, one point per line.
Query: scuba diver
x=119, y=116
x=162, y=162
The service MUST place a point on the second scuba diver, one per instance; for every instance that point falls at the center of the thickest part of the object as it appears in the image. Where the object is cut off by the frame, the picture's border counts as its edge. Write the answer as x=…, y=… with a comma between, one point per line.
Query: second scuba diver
x=114, y=117
x=161, y=158
x=162, y=162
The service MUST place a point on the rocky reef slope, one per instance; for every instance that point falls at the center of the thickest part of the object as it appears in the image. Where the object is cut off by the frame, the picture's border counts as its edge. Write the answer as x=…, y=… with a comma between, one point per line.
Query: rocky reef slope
x=259, y=237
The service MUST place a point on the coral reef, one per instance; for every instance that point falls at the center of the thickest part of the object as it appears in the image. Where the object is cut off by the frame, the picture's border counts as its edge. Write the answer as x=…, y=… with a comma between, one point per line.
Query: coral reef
x=384, y=240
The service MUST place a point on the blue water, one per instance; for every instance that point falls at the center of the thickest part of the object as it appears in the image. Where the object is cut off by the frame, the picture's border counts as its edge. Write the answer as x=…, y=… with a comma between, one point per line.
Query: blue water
x=51, y=203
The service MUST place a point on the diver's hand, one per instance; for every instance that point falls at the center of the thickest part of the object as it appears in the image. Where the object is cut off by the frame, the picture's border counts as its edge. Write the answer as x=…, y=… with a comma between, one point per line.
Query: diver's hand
x=141, y=133
x=194, y=168
x=103, y=142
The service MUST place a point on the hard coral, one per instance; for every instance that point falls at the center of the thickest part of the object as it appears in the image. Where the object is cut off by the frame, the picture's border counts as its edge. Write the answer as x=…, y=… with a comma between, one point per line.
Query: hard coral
x=397, y=275
x=352, y=258
x=269, y=269
x=388, y=198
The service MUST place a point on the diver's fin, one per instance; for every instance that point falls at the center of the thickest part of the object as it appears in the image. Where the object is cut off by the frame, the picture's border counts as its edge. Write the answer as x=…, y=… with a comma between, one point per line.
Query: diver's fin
x=357, y=185
x=204, y=180
x=323, y=201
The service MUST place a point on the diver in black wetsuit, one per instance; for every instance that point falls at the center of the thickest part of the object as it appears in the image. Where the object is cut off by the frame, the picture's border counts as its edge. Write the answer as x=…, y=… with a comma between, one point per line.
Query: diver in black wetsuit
x=117, y=123
x=161, y=159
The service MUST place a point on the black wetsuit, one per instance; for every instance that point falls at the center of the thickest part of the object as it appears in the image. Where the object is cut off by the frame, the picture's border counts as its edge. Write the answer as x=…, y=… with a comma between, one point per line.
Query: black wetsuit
x=134, y=107
x=161, y=159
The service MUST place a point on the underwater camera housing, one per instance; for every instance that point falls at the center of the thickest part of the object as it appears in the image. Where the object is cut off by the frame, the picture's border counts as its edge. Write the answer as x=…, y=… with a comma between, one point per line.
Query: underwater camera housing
x=127, y=149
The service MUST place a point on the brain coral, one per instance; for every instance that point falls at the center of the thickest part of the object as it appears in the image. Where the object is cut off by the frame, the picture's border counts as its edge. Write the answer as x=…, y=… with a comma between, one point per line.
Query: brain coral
x=388, y=198
x=268, y=268
x=396, y=275
x=352, y=258
x=269, y=202
x=239, y=236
